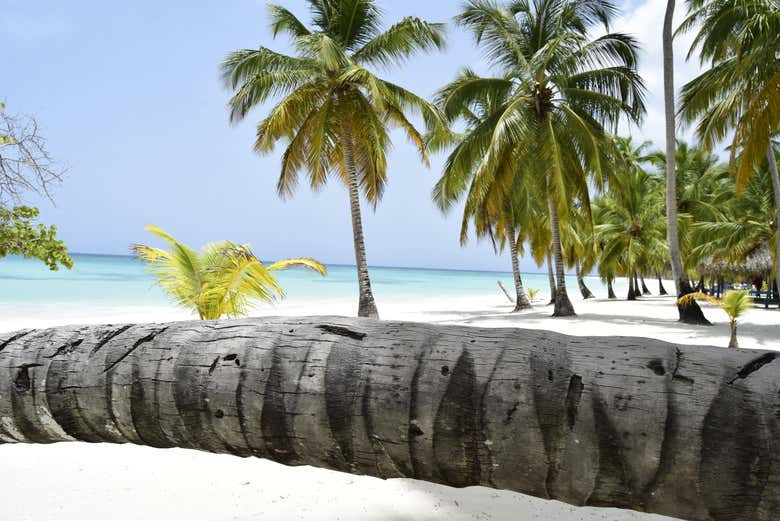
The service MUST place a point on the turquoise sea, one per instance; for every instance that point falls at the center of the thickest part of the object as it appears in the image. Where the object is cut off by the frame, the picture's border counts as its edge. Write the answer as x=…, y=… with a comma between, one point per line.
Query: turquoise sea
x=122, y=280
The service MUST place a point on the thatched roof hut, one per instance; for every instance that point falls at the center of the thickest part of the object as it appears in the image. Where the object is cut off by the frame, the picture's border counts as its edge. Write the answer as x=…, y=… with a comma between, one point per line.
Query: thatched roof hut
x=758, y=263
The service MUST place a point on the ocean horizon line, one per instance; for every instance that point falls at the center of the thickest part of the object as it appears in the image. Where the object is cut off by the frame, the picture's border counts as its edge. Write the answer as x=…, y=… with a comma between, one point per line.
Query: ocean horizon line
x=342, y=265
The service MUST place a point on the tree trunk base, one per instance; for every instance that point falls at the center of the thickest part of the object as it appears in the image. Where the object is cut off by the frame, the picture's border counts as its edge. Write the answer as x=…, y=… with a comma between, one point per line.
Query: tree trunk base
x=367, y=308
x=690, y=313
x=611, y=291
x=563, y=306
x=584, y=290
x=661, y=288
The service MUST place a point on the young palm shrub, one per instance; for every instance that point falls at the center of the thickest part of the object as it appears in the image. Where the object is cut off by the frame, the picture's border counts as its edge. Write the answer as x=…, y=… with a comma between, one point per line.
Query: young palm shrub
x=222, y=280
x=557, y=85
x=334, y=114
x=733, y=303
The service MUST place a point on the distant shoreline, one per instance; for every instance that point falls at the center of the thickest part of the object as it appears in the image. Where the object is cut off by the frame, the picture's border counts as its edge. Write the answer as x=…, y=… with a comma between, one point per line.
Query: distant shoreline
x=371, y=266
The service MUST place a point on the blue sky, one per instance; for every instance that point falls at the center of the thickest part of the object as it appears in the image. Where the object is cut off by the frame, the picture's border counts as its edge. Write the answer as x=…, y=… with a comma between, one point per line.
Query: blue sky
x=129, y=97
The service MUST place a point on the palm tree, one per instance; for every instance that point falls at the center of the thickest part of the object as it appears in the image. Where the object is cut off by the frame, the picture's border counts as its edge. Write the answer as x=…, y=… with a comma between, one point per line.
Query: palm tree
x=629, y=225
x=740, y=226
x=741, y=90
x=495, y=211
x=557, y=86
x=220, y=281
x=733, y=303
x=335, y=114
x=704, y=188
x=689, y=311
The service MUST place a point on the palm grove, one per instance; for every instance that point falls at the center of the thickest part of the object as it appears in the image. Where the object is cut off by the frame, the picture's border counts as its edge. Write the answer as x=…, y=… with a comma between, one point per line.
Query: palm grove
x=532, y=150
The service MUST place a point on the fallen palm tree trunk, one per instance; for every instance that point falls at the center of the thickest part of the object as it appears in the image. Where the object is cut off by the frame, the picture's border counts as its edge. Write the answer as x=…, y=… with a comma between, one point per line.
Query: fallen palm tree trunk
x=689, y=432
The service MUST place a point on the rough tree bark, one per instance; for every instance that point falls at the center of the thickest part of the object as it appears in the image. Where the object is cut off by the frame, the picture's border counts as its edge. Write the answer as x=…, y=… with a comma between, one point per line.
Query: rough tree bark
x=584, y=290
x=689, y=313
x=551, y=277
x=772, y=162
x=661, y=288
x=563, y=306
x=633, y=292
x=689, y=432
x=366, y=303
x=521, y=298
x=610, y=289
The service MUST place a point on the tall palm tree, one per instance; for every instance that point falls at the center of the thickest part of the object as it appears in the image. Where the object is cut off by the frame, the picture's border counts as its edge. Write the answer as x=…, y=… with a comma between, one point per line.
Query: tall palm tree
x=335, y=114
x=689, y=311
x=741, y=90
x=495, y=211
x=222, y=280
x=558, y=86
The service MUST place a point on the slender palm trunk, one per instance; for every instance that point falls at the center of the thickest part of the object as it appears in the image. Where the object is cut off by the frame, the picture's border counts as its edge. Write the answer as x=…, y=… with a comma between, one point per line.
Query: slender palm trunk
x=366, y=303
x=645, y=290
x=637, y=291
x=584, y=291
x=563, y=306
x=551, y=277
x=661, y=288
x=690, y=313
x=521, y=301
x=632, y=292
x=610, y=289
x=770, y=155
x=733, y=341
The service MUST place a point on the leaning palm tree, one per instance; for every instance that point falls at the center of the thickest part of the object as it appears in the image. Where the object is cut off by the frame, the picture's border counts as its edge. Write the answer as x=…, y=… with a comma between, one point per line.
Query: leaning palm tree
x=741, y=90
x=501, y=209
x=334, y=114
x=222, y=280
x=557, y=86
x=733, y=303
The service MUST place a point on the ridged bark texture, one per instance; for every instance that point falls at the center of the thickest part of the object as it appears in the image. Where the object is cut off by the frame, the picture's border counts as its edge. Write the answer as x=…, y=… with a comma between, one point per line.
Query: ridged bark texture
x=551, y=277
x=521, y=299
x=366, y=304
x=584, y=290
x=770, y=156
x=690, y=313
x=661, y=288
x=645, y=289
x=689, y=432
x=563, y=306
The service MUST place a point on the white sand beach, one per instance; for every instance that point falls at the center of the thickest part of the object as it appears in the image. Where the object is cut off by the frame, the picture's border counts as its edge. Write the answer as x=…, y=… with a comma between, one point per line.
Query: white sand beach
x=94, y=482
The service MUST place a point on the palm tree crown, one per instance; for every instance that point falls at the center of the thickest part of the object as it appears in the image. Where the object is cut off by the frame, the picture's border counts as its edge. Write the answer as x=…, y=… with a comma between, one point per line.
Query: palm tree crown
x=556, y=88
x=334, y=113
